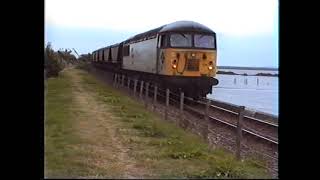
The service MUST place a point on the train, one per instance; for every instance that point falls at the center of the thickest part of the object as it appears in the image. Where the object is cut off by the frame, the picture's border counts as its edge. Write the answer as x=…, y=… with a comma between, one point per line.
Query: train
x=181, y=56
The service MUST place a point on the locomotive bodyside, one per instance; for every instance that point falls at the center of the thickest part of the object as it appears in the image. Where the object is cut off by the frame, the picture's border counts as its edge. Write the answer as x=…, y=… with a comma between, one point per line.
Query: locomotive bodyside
x=142, y=56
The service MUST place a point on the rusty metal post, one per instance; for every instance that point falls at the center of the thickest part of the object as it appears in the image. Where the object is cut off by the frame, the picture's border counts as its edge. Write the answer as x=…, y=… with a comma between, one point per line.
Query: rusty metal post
x=155, y=97
x=167, y=104
x=141, y=89
x=181, y=107
x=147, y=95
x=239, y=132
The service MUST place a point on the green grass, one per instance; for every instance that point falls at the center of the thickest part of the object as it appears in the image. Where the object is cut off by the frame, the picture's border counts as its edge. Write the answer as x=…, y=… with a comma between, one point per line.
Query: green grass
x=58, y=128
x=62, y=157
x=162, y=148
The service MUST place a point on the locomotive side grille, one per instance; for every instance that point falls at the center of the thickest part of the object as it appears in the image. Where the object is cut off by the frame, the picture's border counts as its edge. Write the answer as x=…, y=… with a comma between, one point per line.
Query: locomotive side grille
x=193, y=65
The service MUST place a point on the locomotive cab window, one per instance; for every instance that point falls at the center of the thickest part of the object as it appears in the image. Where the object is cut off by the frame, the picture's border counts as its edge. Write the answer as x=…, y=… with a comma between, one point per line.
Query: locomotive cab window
x=204, y=41
x=163, y=43
x=181, y=40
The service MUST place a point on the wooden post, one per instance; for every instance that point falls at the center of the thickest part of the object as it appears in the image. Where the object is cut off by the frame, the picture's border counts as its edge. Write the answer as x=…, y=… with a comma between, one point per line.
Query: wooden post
x=206, y=118
x=135, y=87
x=141, y=89
x=257, y=81
x=167, y=104
x=115, y=80
x=128, y=83
x=155, y=96
x=239, y=132
x=147, y=95
x=181, y=107
x=122, y=83
x=119, y=81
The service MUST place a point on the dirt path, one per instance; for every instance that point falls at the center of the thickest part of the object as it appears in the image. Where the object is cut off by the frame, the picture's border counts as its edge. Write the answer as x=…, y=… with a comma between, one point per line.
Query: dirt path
x=97, y=126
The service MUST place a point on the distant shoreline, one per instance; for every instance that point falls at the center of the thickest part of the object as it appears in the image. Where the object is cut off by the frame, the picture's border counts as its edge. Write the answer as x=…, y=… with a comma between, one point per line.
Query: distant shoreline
x=245, y=74
x=248, y=68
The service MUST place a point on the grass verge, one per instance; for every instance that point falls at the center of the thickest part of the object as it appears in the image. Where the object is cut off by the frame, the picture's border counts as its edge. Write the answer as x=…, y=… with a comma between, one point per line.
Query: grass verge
x=162, y=148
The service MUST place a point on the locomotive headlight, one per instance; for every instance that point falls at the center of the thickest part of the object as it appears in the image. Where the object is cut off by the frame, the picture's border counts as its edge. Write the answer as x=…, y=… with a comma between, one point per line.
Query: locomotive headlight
x=210, y=67
x=174, y=65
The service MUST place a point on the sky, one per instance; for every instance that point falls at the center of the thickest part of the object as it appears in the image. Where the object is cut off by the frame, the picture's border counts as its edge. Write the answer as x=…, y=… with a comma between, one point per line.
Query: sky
x=247, y=30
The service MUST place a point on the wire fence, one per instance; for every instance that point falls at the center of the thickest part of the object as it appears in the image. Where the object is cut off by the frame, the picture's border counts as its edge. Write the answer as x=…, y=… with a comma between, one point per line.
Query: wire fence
x=151, y=93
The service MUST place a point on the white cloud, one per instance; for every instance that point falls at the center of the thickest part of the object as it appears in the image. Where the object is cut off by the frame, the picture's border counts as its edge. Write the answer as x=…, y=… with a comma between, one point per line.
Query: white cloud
x=224, y=16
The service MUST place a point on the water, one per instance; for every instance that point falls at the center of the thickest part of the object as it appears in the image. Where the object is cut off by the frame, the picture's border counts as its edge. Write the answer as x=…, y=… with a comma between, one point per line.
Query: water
x=249, y=72
x=255, y=92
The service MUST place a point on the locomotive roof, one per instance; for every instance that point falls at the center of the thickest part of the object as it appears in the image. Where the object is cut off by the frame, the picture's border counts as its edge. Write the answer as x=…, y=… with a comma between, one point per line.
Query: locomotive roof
x=178, y=26
x=186, y=26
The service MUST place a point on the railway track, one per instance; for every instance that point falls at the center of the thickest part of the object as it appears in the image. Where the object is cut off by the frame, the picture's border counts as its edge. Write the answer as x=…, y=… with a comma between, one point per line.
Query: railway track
x=251, y=125
x=248, y=128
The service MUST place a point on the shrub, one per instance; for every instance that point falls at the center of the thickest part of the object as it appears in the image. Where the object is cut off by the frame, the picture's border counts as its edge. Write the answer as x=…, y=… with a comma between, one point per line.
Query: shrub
x=51, y=64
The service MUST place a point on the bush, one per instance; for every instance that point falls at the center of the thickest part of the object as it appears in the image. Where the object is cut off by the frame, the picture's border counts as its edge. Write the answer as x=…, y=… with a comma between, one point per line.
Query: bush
x=51, y=62
x=54, y=62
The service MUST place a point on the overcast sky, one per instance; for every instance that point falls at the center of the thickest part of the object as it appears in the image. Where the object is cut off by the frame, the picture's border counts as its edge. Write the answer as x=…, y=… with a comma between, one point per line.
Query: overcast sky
x=247, y=30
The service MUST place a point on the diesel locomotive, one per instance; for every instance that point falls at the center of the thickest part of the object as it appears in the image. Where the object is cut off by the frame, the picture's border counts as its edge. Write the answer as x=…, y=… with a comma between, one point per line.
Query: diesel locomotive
x=181, y=56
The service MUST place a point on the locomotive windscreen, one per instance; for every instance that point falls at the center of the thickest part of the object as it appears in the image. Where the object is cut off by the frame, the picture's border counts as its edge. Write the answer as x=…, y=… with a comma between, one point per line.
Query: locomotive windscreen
x=204, y=41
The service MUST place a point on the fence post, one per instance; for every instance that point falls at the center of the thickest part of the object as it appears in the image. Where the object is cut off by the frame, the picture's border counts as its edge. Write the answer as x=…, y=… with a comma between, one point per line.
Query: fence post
x=239, y=132
x=155, y=97
x=115, y=80
x=206, y=118
x=128, y=83
x=181, y=107
x=135, y=87
x=141, y=89
x=122, y=83
x=167, y=104
x=147, y=94
x=119, y=81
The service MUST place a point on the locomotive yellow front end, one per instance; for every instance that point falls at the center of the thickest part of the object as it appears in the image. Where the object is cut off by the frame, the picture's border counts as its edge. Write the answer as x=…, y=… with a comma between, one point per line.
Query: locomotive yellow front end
x=188, y=54
x=190, y=63
x=188, y=60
